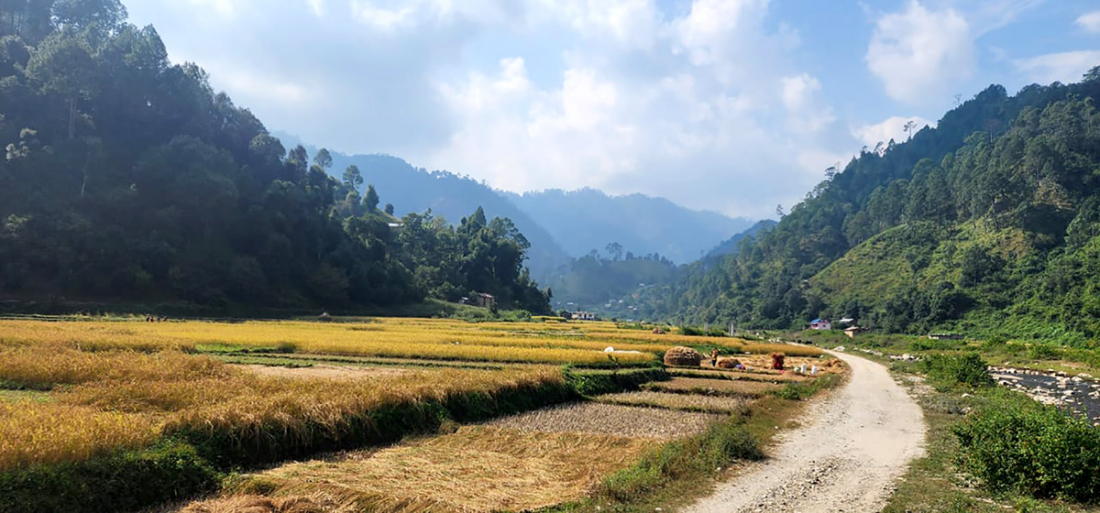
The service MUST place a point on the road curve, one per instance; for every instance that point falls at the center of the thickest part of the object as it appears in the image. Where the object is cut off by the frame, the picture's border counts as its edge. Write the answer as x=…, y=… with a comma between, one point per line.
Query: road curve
x=847, y=455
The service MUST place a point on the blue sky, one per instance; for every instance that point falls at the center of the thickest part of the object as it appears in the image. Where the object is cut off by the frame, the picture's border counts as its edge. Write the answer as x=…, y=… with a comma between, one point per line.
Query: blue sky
x=727, y=105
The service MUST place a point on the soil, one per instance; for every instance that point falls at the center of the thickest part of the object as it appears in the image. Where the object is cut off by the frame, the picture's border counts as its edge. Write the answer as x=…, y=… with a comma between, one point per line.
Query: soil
x=852, y=447
x=323, y=371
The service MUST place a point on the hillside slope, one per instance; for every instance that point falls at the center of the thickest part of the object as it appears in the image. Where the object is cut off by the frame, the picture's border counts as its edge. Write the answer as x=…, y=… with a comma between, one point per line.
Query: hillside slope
x=986, y=224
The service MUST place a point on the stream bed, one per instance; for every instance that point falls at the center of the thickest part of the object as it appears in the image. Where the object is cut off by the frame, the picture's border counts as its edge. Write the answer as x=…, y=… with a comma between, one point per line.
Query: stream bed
x=1080, y=393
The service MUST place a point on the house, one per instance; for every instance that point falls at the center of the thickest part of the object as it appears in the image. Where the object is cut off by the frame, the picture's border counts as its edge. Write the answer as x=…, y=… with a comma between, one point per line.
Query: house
x=485, y=300
x=945, y=336
x=821, y=324
x=583, y=316
x=847, y=321
x=852, y=331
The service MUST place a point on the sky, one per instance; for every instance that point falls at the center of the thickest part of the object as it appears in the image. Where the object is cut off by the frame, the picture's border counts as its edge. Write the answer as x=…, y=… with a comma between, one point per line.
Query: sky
x=735, y=106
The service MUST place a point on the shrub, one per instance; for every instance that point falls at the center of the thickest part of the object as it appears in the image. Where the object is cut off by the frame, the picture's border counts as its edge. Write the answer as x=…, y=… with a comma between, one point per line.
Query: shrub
x=949, y=371
x=1043, y=352
x=1014, y=443
x=125, y=481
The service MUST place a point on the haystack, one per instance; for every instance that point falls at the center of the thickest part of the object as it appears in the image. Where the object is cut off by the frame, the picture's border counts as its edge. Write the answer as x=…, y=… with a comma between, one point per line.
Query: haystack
x=727, y=363
x=683, y=357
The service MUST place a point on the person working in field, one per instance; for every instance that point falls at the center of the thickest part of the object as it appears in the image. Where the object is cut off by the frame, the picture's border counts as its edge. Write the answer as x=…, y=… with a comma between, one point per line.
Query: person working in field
x=714, y=358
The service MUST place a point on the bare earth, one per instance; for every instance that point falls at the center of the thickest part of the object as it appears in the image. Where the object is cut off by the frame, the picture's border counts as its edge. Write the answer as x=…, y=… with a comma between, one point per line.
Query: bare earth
x=847, y=456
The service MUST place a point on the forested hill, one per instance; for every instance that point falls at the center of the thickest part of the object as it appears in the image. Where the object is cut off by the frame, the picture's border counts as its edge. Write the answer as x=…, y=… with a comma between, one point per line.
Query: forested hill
x=450, y=197
x=128, y=178
x=985, y=224
x=587, y=219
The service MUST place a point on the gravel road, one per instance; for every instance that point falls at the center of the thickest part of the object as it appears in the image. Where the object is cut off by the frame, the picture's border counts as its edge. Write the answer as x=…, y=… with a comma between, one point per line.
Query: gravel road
x=847, y=456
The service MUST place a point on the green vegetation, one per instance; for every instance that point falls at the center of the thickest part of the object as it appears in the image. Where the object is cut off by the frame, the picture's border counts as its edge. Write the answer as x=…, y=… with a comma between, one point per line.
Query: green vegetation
x=1013, y=443
x=948, y=371
x=985, y=224
x=127, y=177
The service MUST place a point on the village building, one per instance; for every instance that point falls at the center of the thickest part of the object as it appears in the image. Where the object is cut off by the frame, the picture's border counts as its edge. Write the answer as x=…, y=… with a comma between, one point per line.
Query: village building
x=821, y=324
x=485, y=300
x=583, y=316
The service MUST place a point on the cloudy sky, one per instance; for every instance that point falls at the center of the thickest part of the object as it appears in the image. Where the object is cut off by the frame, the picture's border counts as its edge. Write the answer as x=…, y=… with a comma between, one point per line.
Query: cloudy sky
x=728, y=105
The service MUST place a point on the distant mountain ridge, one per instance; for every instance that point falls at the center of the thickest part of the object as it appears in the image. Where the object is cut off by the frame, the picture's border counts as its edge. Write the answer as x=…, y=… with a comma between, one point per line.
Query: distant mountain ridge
x=587, y=219
x=560, y=225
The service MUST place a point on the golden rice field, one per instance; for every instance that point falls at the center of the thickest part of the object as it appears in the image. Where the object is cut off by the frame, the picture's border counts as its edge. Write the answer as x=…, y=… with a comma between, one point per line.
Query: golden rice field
x=393, y=338
x=106, y=400
x=75, y=390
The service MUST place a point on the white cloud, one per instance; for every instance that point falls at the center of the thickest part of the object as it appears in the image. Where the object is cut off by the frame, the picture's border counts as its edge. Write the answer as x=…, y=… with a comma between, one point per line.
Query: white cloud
x=1090, y=21
x=1066, y=67
x=805, y=113
x=890, y=129
x=918, y=54
x=707, y=107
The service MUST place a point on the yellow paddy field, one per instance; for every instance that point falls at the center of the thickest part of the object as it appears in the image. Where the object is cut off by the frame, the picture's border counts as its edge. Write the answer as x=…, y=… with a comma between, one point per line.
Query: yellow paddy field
x=238, y=394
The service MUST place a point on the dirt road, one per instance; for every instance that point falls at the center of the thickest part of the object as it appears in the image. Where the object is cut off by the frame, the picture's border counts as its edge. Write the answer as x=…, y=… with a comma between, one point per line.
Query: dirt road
x=847, y=456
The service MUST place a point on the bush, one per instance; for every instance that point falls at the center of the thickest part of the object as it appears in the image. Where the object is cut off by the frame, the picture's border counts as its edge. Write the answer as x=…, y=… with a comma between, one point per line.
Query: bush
x=1043, y=352
x=126, y=481
x=949, y=371
x=1014, y=443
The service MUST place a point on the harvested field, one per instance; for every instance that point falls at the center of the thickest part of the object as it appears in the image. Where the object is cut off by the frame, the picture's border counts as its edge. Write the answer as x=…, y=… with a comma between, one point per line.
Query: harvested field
x=325, y=371
x=476, y=469
x=684, y=402
x=767, y=377
x=611, y=419
x=742, y=388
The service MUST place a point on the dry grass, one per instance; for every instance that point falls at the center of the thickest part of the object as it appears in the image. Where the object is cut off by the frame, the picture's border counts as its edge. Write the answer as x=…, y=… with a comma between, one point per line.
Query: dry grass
x=684, y=402
x=611, y=419
x=742, y=388
x=477, y=469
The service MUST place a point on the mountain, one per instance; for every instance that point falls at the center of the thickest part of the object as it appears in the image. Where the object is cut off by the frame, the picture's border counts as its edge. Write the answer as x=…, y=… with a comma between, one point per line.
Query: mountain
x=987, y=224
x=587, y=219
x=732, y=245
x=559, y=224
x=452, y=197
x=128, y=179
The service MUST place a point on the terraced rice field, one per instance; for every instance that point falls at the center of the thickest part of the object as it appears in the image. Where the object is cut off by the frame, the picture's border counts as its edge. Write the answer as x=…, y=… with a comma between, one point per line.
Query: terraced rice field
x=683, y=402
x=476, y=469
x=720, y=387
x=610, y=419
x=240, y=395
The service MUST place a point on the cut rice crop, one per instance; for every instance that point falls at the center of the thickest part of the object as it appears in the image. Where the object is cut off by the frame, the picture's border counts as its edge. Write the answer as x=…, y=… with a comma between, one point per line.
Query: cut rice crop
x=684, y=402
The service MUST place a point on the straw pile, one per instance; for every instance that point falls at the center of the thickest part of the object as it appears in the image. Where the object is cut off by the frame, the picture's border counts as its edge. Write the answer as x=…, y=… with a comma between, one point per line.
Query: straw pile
x=727, y=363
x=683, y=357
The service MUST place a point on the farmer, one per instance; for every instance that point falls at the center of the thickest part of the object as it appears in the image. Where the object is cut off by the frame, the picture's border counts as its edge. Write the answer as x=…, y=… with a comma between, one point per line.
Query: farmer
x=714, y=358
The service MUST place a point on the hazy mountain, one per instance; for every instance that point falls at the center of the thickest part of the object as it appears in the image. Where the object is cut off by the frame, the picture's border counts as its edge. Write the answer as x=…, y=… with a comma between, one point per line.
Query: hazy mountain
x=559, y=224
x=588, y=219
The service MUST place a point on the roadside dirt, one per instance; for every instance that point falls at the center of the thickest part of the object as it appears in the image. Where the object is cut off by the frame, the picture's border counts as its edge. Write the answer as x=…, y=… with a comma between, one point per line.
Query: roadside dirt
x=852, y=447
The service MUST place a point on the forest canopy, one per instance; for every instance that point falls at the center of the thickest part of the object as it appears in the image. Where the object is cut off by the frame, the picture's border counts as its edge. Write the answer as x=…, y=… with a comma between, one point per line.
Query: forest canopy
x=128, y=178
